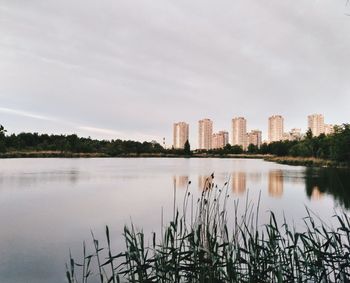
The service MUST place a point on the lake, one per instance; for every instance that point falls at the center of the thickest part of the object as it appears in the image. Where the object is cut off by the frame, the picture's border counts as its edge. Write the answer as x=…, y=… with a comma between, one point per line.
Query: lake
x=49, y=206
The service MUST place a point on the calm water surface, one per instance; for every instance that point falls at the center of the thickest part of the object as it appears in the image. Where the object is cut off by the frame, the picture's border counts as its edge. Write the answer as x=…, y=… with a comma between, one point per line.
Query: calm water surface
x=48, y=206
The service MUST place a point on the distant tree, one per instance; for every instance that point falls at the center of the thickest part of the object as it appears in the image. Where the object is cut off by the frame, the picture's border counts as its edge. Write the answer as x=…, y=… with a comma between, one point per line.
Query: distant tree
x=2, y=139
x=236, y=149
x=300, y=149
x=227, y=148
x=2, y=130
x=187, y=148
x=281, y=148
x=340, y=148
x=252, y=148
x=309, y=134
x=265, y=148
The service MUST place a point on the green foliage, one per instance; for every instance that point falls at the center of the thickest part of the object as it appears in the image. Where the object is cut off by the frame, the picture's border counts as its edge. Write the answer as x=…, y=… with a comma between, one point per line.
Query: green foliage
x=75, y=144
x=2, y=139
x=201, y=247
x=300, y=149
x=187, y=148
x=340, y=144
x=253, y=148
x=236, y=149
x=281, y=148
x=2, y=130
x=334, y=147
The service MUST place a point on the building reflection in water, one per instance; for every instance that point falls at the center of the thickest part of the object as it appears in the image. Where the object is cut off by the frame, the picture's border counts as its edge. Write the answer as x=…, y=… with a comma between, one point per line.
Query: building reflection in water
x=204, y=182
x=316, y=193
x=276, y=183
x=239, y=182
x=255, y=177
x=181, y=181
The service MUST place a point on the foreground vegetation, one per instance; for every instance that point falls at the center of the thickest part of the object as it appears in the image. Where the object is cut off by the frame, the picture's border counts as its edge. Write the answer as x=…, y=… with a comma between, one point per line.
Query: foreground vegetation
x=203, y=243
x=317, y=150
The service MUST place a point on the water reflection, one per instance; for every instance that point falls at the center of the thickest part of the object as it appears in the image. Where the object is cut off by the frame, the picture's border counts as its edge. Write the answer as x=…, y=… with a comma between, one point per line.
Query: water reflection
x=255, y=177
x=336, y=182
x=181, y=181
x=316, y=194
x=276, y=183
x=239, y=183
x=30, y=179
x=34, y=193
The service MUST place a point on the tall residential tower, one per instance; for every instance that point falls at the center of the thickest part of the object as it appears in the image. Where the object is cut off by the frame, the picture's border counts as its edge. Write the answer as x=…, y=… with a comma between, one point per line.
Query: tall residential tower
x=181, y=134
x=254, y=137
x=316, y=124
x=220, y=140
x=239, y=132
x=205, y=134
x=275, y=128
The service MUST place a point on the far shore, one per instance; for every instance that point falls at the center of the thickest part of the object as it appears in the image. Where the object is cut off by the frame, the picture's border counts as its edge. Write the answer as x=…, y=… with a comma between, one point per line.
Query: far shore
x=287, y=160
x=68, y=154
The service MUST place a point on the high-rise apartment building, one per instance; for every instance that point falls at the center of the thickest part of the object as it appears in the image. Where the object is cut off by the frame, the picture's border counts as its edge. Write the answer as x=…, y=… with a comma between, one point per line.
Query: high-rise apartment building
x=328, y=129
x=180, y=134
x=220, y=140
x=316, y=124
x=205, y=134
x=276, y=130
x=254, y=137
x=295, y=134
x=239, y=132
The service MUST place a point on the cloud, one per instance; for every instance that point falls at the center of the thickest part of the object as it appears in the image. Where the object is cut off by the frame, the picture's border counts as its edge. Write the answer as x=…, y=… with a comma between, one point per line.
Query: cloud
x=27, y=114
x=107, y=132
x=132, y=68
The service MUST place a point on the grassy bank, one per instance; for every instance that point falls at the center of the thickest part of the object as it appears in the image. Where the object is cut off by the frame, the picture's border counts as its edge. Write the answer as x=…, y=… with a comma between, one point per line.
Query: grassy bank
x=203, y=243
x=304, y=161
x=48, y=154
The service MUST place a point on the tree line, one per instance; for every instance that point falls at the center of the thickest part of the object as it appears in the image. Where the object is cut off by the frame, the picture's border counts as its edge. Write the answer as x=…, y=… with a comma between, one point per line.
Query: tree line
x=332, y=147
x=73, y=143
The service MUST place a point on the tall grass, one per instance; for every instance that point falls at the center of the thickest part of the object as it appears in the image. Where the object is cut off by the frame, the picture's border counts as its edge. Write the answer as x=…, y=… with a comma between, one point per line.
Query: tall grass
x=203, y=244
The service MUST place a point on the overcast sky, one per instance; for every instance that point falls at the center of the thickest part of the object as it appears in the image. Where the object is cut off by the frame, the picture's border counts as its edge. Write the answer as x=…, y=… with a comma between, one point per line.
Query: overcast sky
x=129, y=69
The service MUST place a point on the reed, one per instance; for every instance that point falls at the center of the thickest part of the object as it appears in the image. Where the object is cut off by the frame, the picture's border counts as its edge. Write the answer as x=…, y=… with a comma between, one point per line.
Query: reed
x=203, y=244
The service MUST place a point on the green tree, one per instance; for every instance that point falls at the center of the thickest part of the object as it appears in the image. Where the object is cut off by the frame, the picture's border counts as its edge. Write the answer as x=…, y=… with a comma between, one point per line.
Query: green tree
x=2, y=139
x=252, y=148
x=236, y=149
x=187, y=148
x=340, y=148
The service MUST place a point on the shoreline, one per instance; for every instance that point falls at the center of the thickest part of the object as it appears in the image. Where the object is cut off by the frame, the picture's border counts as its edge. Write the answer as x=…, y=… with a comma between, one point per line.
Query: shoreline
x=286, y=160
x=306, y=161
x=67, y=154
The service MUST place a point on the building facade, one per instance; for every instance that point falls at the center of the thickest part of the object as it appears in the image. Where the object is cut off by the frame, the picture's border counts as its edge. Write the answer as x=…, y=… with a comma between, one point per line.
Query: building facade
x=205, y=134
x=220, y=140
x=295, y=134
x=254, y=137
x=239, y=132
x=276, y=128
x=180, y=134
x=316, y=124
x=328, y=129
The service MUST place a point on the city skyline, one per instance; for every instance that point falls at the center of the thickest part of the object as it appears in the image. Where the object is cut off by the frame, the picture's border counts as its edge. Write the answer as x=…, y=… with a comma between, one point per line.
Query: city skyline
x=239, y=135
x=117, y=72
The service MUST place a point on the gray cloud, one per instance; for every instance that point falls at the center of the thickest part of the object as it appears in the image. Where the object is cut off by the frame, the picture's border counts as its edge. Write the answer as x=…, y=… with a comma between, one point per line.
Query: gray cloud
x=119, y=69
